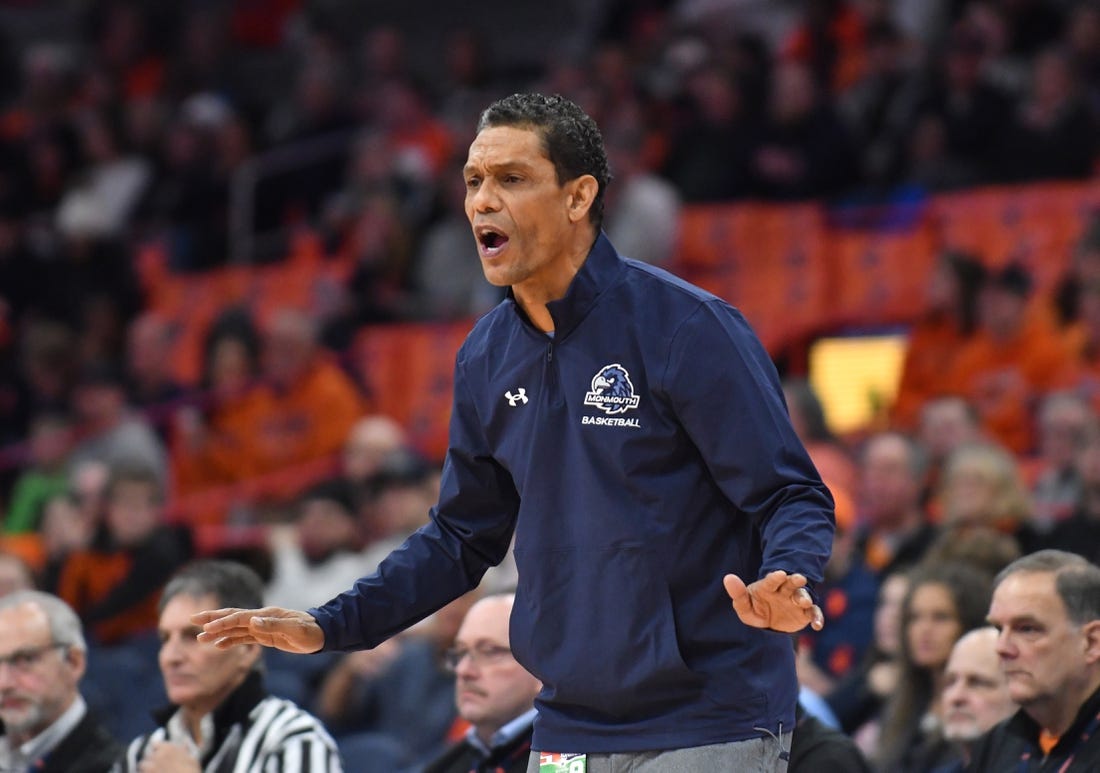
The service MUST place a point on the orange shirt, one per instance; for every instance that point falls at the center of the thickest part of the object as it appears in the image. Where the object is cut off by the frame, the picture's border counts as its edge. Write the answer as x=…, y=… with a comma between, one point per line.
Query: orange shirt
x=933, y=344
x=1004, y=379
x=270, y=430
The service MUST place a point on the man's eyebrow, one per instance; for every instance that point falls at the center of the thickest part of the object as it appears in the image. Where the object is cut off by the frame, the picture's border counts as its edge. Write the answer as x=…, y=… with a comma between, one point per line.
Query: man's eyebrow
x=492, y=166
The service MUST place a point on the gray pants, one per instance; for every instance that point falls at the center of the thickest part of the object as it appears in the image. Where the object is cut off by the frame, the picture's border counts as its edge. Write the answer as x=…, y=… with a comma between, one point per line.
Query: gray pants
x=757, y=755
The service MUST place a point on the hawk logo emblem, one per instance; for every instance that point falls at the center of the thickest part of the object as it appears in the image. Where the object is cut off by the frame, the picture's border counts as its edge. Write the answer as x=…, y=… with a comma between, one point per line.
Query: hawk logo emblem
x=612, y=391
x=520, y=397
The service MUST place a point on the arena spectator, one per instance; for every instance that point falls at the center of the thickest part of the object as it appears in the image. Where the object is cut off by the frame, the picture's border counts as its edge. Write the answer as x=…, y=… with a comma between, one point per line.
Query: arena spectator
x=109, y=431
x=46, y=725
x=857, y=699
x=113, y=584
x=1045, y=610
x=982, y=487
x=944, y=602
x=320, y=552
x=44, y=474
x=492, y=692
x=220, y=716
x=1080, y=533
x=948, y=321
x=1011, y=362
x=975, y=693
x=1053, y=134
x=1064, y=421
x=896, y=530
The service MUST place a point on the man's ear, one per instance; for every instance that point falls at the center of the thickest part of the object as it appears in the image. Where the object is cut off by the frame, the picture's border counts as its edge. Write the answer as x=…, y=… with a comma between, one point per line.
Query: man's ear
x=78, y=660
x=582, y=193
x=1092, y=641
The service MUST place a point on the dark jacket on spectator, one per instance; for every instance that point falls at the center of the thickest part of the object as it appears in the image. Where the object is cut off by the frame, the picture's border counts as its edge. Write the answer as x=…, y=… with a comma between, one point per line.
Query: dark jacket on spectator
x=1014, y=745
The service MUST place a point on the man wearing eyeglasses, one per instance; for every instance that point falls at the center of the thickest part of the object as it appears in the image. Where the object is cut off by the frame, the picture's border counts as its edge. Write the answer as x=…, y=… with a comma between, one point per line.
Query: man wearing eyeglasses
x=493, y=692
x=46, y=724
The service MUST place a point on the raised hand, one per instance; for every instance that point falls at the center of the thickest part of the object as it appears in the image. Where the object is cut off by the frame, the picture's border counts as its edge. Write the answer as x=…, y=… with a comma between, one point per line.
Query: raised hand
x=284, y=629
x=778, y=601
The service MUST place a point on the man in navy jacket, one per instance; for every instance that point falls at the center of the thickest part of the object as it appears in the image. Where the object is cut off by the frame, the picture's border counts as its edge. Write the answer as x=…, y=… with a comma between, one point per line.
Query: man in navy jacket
x=630, y=431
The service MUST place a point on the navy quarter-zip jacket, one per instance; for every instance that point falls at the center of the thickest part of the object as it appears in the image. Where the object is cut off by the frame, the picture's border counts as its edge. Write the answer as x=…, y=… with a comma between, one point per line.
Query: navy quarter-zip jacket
x=638, y=454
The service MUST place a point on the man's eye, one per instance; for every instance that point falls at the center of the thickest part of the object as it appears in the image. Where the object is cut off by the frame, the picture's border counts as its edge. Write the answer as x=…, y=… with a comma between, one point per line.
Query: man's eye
x=472, y=183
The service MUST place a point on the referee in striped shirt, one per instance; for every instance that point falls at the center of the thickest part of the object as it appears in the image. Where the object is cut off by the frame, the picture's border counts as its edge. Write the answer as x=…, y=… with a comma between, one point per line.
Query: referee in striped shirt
x=221, y=718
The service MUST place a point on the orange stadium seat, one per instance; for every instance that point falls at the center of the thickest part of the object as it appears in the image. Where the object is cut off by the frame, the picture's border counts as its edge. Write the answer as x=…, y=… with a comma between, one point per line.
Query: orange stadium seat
x=408, y=372
x=879, y=275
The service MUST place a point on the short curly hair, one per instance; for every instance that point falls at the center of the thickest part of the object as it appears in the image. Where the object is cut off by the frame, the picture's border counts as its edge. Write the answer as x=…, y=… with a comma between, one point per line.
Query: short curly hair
x=571, y=138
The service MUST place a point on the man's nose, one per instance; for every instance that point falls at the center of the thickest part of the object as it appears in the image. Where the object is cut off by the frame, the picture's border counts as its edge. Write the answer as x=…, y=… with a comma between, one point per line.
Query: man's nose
x=484, y=198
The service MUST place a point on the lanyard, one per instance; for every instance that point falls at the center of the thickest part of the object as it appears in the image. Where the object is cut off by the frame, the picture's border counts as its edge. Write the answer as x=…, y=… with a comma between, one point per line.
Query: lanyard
x=1082, y=739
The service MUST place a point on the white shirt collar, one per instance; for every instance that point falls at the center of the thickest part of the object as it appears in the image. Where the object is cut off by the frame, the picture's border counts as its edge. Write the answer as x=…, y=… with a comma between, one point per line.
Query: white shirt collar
x=505, y=735
x=46, y=741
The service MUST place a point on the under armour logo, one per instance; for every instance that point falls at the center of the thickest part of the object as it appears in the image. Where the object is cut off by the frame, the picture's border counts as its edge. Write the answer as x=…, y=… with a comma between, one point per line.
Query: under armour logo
x=516, y=399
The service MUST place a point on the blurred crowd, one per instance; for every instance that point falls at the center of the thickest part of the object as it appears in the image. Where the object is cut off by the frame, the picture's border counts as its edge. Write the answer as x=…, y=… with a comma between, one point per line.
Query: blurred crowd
x=221, y=131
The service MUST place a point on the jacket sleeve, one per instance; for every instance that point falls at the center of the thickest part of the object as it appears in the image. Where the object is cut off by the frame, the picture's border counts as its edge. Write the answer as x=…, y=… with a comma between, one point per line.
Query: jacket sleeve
x=470, y=529
x=726, y=394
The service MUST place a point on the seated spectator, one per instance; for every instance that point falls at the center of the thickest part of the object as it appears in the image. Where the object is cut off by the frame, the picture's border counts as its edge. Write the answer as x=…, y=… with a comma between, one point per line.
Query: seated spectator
x=46, y=725
x=1053, y=134
x=210, y=438
x=982, y=487
x=319, y=555
x=980, y=547
x=857, y=699
x=399, y=499
x=43, y=476
x=113, y=584
x=975, y=693
x=152, y=386
x=1064, y=422
x=949, y=320
x=708, y=154
x=1011, y=362
x=944, y=602
x=306, y=404
x=63, y=528
x=804, y=150
x=108, y=429
x=221, y=717
x=643, y=209
x=896, y=530
x=946, y=423
x=370, y=442
x=1046, y=608
x=969, y=110
x=1080, y=533
x=492, y=692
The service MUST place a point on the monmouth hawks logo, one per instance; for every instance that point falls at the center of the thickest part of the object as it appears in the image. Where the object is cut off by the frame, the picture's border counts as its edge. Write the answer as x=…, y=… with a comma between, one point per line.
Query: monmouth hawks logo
x=612, y=392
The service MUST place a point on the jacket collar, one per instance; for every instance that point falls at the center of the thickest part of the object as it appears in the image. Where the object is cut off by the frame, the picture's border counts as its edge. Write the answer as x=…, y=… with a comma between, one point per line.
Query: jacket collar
x=1024, y=727
x=233, y=710
x=598, y=272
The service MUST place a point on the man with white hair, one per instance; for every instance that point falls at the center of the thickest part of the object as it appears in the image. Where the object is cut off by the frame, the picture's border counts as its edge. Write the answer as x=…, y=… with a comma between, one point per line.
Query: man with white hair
x=975, y=695
x=46, y=724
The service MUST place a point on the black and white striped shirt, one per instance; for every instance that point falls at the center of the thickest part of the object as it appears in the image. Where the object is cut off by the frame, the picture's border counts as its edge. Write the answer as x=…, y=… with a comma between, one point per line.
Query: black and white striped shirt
x=271, y=735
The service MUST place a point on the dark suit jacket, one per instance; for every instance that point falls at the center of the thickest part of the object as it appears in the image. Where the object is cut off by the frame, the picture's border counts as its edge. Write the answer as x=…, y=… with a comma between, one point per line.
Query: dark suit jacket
x=89, y=748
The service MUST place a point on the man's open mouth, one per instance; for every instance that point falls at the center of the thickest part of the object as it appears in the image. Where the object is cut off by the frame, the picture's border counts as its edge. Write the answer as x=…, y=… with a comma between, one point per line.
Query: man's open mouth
x=491, y=241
